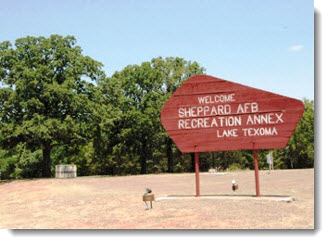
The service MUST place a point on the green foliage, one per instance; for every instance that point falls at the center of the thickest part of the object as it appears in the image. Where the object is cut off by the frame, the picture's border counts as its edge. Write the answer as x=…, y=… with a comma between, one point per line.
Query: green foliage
x=57, y=107
x=299, y=152
x=139, y=92
x=179, y=168
x=20, y=163
x=47, y=98
x=235, y=166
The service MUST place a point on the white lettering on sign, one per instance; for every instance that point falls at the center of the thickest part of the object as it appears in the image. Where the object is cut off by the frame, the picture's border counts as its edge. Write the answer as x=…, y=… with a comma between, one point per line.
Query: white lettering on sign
x=216, y=99
x=204, y=111
x=248, y=108
x=230, y=121
x=194, y=123
x=227, y=133
x=216, y=111
x=214, y=122
x=269, y=131
x=269, y=118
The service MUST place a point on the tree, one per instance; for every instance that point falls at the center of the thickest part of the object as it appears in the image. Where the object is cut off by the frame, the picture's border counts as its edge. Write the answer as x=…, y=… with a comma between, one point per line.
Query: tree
x=174, y=72
x=139, y=101
x=46, y=94
x=299, y=152
x=141, y=91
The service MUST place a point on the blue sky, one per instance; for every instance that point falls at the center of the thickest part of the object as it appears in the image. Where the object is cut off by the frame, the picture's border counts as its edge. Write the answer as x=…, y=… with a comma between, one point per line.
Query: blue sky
x=267, y=44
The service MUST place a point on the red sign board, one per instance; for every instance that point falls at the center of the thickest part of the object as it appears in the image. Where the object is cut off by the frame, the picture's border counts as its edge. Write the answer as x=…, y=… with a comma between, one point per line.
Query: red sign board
x=209, y=114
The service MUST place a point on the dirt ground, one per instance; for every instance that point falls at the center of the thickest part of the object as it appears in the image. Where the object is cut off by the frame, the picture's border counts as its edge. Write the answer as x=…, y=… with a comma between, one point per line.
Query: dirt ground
x=116, y=202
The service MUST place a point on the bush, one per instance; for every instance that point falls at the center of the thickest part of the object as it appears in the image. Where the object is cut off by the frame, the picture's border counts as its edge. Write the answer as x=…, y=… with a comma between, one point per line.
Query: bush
x=178, y=168
x=20, y=163
x=235, y=166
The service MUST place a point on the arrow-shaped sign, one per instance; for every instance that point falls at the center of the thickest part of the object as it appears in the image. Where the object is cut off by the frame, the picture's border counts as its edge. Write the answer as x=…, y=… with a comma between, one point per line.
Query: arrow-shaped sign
x=210, y=114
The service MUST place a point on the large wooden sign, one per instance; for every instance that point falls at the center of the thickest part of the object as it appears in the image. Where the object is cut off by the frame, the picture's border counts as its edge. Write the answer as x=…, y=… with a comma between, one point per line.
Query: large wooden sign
x=210, y=114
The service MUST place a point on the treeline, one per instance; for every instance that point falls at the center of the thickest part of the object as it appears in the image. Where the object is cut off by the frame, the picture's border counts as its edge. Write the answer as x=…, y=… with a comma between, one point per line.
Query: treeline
x=58, y=107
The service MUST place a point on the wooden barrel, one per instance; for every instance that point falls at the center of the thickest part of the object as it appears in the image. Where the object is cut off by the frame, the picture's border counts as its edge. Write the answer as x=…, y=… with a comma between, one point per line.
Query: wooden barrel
x=66, y=171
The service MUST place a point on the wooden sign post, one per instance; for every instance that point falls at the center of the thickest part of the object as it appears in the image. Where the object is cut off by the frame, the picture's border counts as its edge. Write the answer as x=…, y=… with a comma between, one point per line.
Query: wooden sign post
x=256, y=172
x=197, y=177
x=207, y=114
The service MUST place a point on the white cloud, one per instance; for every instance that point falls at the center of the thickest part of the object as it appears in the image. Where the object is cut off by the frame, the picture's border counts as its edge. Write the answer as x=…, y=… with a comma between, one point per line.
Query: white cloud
x=296, y=47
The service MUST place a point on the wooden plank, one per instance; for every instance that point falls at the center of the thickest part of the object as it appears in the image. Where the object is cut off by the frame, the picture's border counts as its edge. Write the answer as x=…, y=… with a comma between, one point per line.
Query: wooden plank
x=148, y=197
x=211, y=114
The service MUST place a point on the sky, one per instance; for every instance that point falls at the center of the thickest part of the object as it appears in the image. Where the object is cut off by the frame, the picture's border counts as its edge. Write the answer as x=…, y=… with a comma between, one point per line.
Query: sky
x=268, y=44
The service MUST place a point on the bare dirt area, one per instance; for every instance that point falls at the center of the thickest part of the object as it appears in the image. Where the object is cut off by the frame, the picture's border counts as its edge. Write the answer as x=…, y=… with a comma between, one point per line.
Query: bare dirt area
x=116, y=202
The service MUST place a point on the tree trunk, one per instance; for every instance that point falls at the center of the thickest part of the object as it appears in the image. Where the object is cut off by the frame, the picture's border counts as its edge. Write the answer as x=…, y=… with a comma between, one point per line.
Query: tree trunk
x=192, y=162
x=170, y=156
x=143, y=164
x=46, y=164
x=143, y=158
